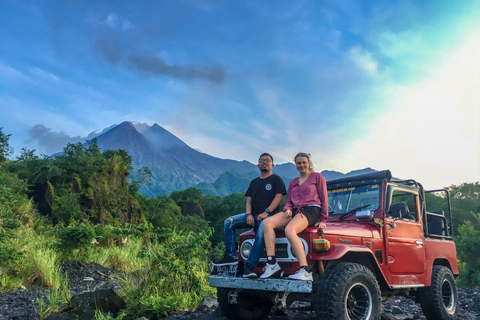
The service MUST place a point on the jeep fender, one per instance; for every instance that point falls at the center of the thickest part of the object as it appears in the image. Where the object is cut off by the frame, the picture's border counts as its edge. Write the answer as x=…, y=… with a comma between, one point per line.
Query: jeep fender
x=342, y=252
x=337, y=251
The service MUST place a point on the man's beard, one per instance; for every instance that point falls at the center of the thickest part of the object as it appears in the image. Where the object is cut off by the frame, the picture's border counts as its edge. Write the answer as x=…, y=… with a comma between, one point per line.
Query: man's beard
x=264, y=170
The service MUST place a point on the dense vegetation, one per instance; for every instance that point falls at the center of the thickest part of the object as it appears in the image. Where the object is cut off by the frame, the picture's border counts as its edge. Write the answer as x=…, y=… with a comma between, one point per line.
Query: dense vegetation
x=85, y=205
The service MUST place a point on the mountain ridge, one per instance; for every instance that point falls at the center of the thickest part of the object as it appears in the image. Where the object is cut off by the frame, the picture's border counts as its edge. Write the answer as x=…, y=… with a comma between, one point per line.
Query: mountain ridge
x=177, y=166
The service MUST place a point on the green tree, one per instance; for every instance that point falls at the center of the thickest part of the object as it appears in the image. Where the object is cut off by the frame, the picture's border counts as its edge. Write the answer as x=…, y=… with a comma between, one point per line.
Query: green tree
x=68, y=208
x=465, y=201
x=217, y=209
x=162, y=212
x=189, y=200
x=468, y=250
x=5, y=149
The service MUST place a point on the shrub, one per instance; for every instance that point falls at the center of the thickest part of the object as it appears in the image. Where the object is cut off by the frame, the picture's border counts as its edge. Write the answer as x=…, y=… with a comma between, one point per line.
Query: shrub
x=14, y=203
x=468, y=250
x=175, y=278
x=10, y=256
x=67, y=208
x=11, y=223
x=78, y=235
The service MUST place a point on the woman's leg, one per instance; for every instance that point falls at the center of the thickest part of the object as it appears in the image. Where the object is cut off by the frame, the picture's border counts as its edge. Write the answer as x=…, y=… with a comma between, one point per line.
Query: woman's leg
x=293, y=228
x=278, y=220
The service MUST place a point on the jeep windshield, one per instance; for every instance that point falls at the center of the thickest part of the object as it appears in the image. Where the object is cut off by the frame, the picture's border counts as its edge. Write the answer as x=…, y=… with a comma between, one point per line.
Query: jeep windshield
x=350, y=199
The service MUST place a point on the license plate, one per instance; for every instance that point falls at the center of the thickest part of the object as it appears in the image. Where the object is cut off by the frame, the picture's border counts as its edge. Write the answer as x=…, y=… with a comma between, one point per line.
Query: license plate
x=224, y=270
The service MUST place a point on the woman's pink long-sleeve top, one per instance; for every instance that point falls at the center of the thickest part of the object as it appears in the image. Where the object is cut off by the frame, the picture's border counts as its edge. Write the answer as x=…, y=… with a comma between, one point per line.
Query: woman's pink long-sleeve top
x=311, y=191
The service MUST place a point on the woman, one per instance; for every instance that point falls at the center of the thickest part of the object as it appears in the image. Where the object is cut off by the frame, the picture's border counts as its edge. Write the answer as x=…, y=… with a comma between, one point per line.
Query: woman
x=307, y=205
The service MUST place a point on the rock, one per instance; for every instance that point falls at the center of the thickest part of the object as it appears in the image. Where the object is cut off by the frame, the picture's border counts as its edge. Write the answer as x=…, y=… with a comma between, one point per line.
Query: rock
x=104, y=300
x=60, y=316
x=397, y=310
x=386, y=316
x=207, y=302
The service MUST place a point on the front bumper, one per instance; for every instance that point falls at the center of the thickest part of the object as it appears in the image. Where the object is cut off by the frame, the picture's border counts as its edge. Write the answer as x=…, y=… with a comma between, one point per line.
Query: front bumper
x=276, y=285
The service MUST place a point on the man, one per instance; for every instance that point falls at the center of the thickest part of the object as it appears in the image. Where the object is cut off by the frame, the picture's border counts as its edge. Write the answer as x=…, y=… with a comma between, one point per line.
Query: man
x=263, y=198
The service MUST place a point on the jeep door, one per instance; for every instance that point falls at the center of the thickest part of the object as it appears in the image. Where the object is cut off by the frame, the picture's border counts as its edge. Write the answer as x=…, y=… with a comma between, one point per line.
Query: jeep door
x=404, y=237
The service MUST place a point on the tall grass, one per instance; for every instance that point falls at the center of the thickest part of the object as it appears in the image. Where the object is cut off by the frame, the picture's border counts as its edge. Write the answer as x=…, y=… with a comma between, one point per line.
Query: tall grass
x=38, y=266
x=174, y=277
x=122, y=257
x=162, y=273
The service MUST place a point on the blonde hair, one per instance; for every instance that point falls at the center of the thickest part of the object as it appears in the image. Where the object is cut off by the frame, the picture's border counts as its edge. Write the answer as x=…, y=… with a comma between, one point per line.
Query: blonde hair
x=305, y=155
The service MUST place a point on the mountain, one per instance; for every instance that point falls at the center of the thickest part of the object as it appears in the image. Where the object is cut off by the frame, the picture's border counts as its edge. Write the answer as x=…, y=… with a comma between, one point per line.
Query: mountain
x=176, y=166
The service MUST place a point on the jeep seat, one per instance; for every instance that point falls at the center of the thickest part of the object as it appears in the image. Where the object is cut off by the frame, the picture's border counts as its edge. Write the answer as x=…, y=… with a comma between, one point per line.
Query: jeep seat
x=399, y=210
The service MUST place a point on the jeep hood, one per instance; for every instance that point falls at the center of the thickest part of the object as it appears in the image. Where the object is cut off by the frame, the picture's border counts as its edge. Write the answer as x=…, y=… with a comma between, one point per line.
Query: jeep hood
x=351, y=230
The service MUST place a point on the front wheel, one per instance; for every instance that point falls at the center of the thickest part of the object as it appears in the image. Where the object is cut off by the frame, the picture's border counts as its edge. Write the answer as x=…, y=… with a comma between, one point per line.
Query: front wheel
x=248, y=306
x=440, y=300
x=348, y=291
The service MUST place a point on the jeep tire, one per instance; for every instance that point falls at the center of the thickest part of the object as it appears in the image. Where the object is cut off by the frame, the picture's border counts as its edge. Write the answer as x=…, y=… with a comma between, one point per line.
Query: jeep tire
x=249, y=306
x=440, y=300
x=348, y=291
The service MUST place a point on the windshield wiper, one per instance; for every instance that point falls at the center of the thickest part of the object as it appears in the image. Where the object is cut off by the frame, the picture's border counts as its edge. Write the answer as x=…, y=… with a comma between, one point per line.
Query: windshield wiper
x=353, y=210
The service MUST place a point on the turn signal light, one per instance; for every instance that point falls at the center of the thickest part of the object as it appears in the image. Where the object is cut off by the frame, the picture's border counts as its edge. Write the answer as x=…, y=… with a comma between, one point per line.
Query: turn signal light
x=321, y=245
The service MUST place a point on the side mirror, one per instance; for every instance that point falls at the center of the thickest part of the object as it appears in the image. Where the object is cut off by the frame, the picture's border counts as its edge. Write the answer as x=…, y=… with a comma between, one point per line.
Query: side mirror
x=399, y=210
x=364, y=215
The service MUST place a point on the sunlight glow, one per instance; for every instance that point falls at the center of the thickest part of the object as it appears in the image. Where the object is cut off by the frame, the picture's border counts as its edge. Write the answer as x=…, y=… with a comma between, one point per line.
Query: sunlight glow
x=432, y=132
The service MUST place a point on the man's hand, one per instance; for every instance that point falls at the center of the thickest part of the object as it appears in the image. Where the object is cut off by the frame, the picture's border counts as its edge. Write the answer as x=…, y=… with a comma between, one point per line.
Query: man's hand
x=250, y=219
x=262, y=216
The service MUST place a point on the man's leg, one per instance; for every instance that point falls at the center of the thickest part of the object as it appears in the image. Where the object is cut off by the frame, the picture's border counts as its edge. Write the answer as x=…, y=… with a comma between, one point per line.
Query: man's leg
x=252, y=261
x=230, y=224
x=256, y=250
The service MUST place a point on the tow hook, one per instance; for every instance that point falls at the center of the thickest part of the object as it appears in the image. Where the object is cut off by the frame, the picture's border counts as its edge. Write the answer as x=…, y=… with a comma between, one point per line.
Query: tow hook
x=281, y=300
x=233, y=295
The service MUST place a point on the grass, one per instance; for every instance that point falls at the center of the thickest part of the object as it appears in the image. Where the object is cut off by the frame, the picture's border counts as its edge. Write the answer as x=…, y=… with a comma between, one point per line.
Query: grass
x=123, y=257
x=160, y=277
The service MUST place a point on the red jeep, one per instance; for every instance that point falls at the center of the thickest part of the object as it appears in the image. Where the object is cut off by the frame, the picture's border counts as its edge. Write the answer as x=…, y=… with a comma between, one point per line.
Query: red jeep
x=380, y=241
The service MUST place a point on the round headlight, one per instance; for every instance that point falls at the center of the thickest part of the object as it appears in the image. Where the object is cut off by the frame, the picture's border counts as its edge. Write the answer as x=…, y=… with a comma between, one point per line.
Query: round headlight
x=246, y=249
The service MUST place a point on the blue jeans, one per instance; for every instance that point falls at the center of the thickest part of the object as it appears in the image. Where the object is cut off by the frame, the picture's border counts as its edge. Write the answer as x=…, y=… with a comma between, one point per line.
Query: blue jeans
x=239, y=221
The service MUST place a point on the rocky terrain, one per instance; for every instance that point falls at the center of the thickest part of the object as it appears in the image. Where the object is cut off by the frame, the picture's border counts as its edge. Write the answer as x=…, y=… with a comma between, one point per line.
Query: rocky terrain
x=22, y=303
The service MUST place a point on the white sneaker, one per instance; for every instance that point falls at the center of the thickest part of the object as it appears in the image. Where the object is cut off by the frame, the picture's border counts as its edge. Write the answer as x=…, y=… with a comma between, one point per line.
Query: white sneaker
x=270, y=270
x=301, y=274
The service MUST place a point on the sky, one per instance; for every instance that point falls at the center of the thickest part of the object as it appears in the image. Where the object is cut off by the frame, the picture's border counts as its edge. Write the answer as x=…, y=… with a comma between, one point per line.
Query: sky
x=380, y=84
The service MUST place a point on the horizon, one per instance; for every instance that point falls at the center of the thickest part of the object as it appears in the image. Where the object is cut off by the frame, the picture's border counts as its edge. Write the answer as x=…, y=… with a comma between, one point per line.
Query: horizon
x=382, y=85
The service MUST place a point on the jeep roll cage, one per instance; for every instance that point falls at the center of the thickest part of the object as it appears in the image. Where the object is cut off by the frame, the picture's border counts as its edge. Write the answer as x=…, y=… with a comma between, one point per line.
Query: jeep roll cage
x=437, y=224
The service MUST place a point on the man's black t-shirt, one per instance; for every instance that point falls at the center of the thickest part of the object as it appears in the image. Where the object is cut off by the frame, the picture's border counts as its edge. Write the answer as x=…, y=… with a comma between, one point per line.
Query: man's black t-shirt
x=263, y=191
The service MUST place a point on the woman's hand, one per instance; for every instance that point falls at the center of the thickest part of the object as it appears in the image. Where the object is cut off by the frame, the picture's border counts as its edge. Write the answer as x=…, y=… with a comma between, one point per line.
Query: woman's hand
x=288, y=213
x=320, y=225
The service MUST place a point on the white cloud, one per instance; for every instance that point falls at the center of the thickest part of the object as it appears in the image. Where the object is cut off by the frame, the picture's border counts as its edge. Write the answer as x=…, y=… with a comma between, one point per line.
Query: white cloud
x=10, y=74
x=114, y=21
x=44, y=74
x=402, y=44
x=364, y=60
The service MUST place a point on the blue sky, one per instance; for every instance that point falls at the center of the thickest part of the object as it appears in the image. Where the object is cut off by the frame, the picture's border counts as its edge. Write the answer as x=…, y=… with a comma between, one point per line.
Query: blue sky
x=381, y=84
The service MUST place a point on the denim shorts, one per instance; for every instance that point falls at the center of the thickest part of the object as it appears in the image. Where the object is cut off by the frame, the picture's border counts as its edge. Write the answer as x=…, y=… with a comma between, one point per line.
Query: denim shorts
x=312, y=213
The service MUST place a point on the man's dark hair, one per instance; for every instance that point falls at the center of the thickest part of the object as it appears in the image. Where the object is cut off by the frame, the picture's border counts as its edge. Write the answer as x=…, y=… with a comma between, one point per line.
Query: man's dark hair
x=266, y=154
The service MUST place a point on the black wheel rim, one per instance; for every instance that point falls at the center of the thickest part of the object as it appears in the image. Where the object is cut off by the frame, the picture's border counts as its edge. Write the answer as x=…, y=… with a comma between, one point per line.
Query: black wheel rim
x=448, y=297
x=358, y=302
